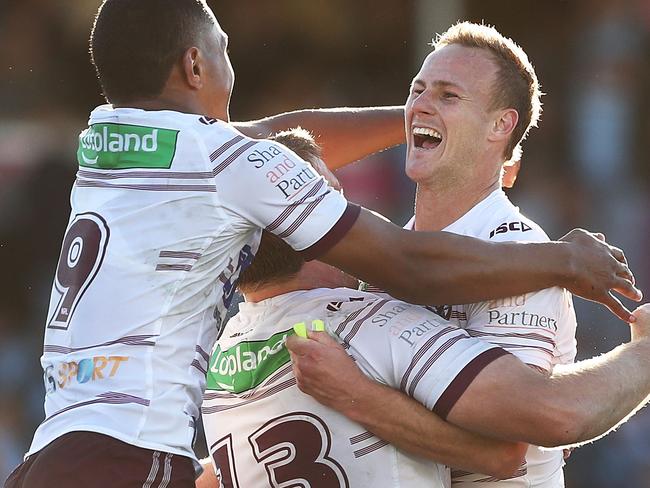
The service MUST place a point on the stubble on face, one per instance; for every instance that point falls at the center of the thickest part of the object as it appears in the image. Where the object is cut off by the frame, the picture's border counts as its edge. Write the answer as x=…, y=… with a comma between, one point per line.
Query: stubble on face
x=451, y=96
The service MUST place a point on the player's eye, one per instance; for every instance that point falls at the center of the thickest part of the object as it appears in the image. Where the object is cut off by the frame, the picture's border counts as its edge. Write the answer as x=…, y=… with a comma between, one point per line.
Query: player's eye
x=449, y=95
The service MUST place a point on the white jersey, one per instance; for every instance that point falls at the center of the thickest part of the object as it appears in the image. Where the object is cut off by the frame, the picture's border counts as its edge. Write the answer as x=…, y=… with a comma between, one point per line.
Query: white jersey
x=539, y=328
x=167, y=209
x=263, y=431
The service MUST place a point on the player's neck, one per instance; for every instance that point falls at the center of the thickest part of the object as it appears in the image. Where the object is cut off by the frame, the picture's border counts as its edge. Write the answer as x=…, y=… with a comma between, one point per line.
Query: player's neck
x=172, y=101
x=436, y=207
x=308, y=278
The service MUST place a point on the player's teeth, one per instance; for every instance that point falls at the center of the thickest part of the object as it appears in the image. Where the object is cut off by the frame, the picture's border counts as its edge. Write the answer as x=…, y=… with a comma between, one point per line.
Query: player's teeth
x=424, y=131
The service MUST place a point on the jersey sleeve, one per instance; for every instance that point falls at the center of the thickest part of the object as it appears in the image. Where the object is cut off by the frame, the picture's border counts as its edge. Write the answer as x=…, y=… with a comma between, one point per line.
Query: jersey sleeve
x=411, y=349
x=269, y=186
x=538, y=328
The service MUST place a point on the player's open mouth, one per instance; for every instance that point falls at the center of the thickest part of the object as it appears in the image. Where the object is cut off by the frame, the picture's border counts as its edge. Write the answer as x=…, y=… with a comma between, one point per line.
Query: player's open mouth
x=426, y=138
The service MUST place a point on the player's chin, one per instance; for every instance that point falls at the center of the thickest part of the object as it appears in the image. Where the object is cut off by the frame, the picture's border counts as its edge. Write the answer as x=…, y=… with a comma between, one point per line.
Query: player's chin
x=419, y=168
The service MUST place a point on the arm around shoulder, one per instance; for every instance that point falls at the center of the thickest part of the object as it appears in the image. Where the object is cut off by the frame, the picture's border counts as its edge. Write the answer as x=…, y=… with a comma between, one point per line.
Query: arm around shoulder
x=439, y=267
x=345, y=134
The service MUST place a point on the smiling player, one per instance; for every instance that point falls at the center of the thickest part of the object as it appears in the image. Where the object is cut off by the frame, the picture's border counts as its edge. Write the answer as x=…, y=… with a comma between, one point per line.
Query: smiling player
x=168, y=208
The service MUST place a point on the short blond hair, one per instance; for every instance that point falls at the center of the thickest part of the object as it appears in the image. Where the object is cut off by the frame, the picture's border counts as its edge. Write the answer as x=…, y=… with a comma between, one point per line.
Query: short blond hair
x=516, y=85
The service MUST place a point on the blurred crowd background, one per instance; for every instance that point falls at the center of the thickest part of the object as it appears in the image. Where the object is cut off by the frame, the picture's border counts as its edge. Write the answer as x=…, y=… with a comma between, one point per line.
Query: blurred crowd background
x=586, y=165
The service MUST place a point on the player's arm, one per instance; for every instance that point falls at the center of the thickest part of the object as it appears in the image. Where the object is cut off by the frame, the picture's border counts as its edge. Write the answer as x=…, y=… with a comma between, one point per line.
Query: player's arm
x=423, y=433
x=507, y=399
x=398, y=418
x=208, y=478
x=345, y=134
x=419, y=267
x=439, y=267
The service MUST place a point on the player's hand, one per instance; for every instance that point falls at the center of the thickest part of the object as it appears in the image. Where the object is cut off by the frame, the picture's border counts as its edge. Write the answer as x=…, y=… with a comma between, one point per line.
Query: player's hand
x=325, y=371
x=598, y=270
x=641, y=327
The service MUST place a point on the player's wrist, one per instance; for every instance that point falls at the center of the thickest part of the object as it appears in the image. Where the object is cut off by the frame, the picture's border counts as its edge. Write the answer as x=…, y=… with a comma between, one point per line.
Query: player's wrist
x=563, y=268
x=362, y=401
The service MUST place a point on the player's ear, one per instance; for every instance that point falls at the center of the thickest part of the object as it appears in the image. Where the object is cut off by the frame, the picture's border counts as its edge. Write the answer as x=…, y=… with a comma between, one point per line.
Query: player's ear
x=192, y=67
x=504, y=123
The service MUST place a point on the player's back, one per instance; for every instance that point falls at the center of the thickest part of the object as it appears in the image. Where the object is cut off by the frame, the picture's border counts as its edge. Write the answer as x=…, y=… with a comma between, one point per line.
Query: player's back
x=263, y=431
x=160, y=227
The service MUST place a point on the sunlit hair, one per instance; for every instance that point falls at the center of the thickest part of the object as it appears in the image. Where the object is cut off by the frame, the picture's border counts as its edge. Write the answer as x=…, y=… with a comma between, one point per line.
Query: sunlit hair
x=301, y=142
x=275, y=260
x=516, y=85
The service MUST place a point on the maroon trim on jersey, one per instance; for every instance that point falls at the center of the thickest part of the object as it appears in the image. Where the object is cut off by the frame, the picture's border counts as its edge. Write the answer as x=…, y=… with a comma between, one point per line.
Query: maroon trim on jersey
x=222, y=149
x=458, y=473
x=364, y=436
x=160, y=187
x=529, y=336
x=462, y=381
x=431, y=342
x=110, y=397
x=507, y=345
x=335, y=234
x=369, y=449
x=198, y=366
x=357, y=325
x=235, y=154
x=432, y=359
x=302, y=217
x=136, y=340
x=259, y=396
x=289, y=210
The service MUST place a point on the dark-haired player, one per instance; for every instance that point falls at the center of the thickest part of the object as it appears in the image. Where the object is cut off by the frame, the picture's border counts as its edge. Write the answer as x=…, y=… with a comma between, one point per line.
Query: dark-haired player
x=168, y=207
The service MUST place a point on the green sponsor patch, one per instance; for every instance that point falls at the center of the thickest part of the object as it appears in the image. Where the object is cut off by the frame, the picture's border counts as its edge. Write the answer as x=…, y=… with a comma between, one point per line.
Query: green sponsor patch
x=123, y=146
x=247, y=364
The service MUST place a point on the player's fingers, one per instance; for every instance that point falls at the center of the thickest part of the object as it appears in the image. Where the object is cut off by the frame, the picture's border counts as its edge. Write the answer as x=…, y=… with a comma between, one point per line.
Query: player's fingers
x=322, y=338
x=618, y=254
x=600, y=236
x=299, y=346
x=625, y=272
x=617, y=308
x=626, y=288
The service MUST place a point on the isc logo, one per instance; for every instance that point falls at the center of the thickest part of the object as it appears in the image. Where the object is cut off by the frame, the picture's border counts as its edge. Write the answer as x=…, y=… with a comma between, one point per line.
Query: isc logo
x=510, y=227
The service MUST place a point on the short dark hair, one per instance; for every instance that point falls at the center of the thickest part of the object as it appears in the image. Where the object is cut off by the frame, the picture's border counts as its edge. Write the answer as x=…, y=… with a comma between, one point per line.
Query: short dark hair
x=135, y=43
x=275, y=259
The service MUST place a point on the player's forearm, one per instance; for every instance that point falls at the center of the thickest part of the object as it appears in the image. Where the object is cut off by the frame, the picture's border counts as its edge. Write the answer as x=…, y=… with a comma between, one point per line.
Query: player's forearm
x=439, y=267
x=345, y=134
x=601, y=393
x=509, y=400
x=411, y=427
x=471, y=270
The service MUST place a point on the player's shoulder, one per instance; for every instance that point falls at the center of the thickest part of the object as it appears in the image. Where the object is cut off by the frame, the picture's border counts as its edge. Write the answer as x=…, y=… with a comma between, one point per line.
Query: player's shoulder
x=214, y=132
x=510, y=224
x=228, y=148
